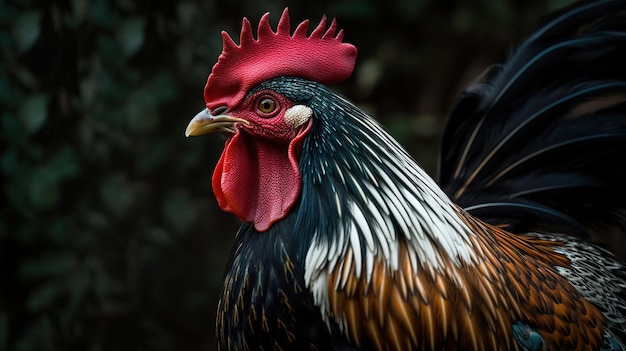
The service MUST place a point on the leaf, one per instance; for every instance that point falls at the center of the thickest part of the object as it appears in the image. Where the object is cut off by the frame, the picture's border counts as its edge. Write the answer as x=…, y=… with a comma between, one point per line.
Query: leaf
x=11, y=129
x=59, y=230
x=43, y=189
x=79, y=9
x=26, y=30
x=77, y=287
x=130, y=35
x=158, y=236
x=41, y=184
x=63, y=164
x=103, y=284
x=17, y=200
x=151, y=156
x=10, y=163
x=179, y=211
x=100, y=13
x=49, y=265
x=7, y=12
x=37, y=336
x=44, y=296
x=34, y=112
x=117, y=194
x=6, y=39
x=8, y=94
x=143, y=102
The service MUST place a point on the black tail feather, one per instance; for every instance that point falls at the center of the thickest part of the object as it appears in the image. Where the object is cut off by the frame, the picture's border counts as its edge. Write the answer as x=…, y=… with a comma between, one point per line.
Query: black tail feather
x=541, y=145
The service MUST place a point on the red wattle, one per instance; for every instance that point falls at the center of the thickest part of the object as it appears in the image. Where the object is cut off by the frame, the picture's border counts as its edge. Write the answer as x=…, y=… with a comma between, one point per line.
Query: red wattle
x=257, y=179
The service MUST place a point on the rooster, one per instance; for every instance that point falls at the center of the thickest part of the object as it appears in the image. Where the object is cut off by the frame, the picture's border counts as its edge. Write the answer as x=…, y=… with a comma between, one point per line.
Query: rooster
x=347, y=244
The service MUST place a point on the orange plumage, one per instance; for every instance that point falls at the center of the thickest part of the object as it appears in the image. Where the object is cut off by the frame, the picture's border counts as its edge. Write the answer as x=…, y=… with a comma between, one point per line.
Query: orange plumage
x=434, y=310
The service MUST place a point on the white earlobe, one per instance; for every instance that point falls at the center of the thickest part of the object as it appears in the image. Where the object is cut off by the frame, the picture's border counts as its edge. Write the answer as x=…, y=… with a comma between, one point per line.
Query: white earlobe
x=298, y=115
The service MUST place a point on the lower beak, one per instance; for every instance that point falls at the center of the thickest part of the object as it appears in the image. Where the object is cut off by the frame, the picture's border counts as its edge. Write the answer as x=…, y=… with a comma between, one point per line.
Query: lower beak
x=204, y=123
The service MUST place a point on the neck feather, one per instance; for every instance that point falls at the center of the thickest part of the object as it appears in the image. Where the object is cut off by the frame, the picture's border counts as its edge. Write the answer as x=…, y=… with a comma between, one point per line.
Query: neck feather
x=364, y=195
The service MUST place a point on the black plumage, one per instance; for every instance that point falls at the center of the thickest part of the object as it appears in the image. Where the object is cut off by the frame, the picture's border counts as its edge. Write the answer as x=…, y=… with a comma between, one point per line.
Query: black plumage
x=541, y=144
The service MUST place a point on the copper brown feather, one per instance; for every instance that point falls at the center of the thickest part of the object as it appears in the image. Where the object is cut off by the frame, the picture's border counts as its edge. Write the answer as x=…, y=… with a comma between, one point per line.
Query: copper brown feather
x=469, y=308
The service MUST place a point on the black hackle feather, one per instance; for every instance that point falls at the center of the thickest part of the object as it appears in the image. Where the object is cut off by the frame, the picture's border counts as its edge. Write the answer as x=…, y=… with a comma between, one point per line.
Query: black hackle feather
x=541, y=144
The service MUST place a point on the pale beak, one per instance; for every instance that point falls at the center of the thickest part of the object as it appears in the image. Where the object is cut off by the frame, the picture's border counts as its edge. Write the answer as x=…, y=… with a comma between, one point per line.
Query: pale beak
x=204, y=123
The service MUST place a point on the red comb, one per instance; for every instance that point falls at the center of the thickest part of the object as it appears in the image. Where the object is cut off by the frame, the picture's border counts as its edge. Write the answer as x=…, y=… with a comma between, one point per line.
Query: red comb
x=320, y=57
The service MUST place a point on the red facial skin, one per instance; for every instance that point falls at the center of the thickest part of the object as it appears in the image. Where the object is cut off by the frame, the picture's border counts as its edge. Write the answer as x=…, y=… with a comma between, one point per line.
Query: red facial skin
x=257, y=177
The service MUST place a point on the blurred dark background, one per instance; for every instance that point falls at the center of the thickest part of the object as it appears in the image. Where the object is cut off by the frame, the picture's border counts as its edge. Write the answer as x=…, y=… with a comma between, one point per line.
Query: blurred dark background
x=110, y=237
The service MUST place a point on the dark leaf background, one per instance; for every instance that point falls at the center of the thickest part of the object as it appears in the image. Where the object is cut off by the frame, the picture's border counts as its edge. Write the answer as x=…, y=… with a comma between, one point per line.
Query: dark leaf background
x=110, y=237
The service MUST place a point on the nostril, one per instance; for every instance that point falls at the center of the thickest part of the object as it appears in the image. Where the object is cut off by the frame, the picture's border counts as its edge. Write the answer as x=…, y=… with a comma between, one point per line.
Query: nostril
x=219, y=110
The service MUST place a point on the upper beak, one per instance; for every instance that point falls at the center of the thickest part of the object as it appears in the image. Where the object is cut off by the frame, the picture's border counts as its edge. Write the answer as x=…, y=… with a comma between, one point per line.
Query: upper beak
x=204, y=123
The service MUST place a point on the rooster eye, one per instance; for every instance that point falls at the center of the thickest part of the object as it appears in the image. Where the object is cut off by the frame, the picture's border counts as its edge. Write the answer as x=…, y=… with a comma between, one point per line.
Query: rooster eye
x=267, y=105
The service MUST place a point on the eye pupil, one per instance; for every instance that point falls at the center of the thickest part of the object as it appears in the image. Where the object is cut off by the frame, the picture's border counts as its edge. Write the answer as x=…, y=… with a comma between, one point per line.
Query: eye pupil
x=267, y=105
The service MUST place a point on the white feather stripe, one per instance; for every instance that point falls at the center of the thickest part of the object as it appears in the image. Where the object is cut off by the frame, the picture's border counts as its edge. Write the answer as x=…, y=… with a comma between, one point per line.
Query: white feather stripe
x=355, y=243
x=403, y=177
x=412, y=252
x=410, y=192
x=394, y=255
x=418, y=221
x=390, y=189
x=369, y=126
x=453, y=217
x=350, y=141
x=415, y=179
x=316, y=260
x=340, y=173
x=414, y=228
x=342, y=246
x=369, y=267
x=447, y=242
x=379, y=221
x=361, y=225
x=386, y=236
x=333, y=249
x=371, y=177
x=440, y=222
x=377, y=199
x=355, y=183
x=396, y=212
x=368, y=138
x=374, y=155
x=331, y=264
x=338, y=203
x=347, y=267
x=319, y=289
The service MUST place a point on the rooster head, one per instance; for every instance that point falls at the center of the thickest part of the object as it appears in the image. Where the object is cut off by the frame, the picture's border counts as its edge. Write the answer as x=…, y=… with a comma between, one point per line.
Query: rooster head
x=257, y=177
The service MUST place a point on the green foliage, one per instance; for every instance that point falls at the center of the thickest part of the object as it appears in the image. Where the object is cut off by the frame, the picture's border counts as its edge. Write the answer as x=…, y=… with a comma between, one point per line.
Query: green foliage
x=109, y=236
x=33, y=113
x=26, y=29
x=98, y=215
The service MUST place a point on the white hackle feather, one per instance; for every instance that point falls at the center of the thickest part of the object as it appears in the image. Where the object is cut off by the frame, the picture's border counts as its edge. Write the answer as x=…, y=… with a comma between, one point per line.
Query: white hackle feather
x=385, y=197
